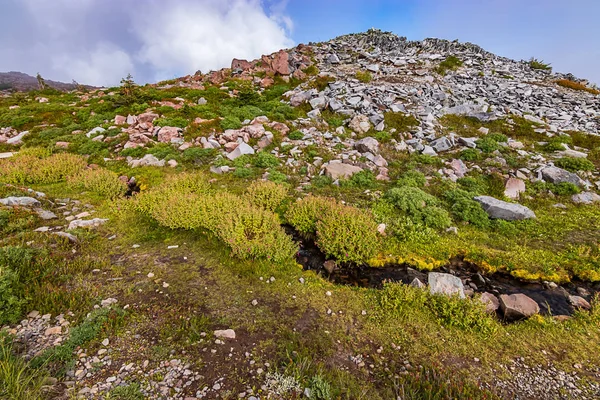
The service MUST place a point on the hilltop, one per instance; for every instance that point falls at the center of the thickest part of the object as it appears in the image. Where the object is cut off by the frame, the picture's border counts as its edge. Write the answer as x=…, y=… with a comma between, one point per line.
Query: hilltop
x=18, y=81
x=367, y=217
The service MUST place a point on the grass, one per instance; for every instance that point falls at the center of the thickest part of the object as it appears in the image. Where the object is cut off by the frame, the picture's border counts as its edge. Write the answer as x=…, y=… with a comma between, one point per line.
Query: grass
x=451, y=63
x=18, y=381
x=576, y=86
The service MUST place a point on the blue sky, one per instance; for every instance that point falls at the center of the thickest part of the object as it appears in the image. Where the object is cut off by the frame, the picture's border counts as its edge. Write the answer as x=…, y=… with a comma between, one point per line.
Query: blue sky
x=99, y=41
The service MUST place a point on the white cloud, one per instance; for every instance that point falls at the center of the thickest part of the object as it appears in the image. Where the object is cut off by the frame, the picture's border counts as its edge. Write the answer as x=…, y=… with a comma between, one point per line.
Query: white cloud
x=104, y=65
x=205, y=35
x=98, y=42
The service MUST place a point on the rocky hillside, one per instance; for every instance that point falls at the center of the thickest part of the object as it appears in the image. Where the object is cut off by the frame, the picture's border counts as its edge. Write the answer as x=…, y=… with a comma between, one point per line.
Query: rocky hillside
x=367, y=217
x=21, y=82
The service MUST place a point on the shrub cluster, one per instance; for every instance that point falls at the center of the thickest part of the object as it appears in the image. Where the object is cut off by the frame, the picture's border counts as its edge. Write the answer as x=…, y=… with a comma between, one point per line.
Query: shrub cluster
x=250, y=231
x=100, y=181
x=265, y=194
x=575, y=164
x=28, y=169
x=466, y=209
x=346, y=233
x=364, y=76
x=18, y=269
x=422, y=208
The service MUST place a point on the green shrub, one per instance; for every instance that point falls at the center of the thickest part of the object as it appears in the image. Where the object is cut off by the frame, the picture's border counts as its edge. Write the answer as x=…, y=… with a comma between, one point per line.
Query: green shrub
x=249, y=231
x=498, y=137
x=476, y=185
x=399, y=121
x=469, y=155
x=319, y=388
x=363, y=180
x=100, y=181
x=304, y=214
x=243, y=173
x=421, y=207
x=295, y=135
x=451, y=63
x=265, y=160
x=539, y=64
x=347, y=234
x=26, y=169
x=18, y=269
x=364, y=76
x=575, y=164
x=277, y=177
x=320, y=181
x=464, y=208
x=412, y=178
x=265, y=194
x=230, y=122
x=487, y=144
x=198, y=155
x=565, y=189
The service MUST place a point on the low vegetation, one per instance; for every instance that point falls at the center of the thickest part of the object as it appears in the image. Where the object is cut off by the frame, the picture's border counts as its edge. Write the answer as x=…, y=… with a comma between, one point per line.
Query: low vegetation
x=576, y=86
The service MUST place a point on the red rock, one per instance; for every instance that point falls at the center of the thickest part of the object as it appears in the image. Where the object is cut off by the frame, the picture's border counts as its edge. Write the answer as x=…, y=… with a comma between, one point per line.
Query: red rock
x=266, y=82
x=518, y=306
x=120, y=120
x=62, y=145
x=579, y=302
x=280, y=127
x=231, y=146
x=167, y=133
x=298, y=74
x=490, y=301
x=241, y=64
x=513, y=188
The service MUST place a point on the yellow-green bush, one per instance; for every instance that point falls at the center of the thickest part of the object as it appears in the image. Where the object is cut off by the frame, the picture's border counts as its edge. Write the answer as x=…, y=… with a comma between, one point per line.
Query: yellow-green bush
x=250, y=231
x=304, y=214
x=265, y=194
x=26, y=169
x=100, y=181
x=346, y=233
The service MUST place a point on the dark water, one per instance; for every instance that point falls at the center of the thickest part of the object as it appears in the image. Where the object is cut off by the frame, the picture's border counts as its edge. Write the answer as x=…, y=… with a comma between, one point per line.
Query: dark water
x=552, y=300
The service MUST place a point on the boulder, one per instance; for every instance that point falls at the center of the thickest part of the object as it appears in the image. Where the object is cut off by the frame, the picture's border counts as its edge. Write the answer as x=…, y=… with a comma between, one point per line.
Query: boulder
x=239, y=151
x=585, y=198
x=280, y=63
x=147, y=117
x=513, y=188
x=490, y=302
x=441, y=144
x=17, y=140
x=319, y=103
x=579, y=302
x=241, y=64
x=360, y=124
x=339, y=170
x=120, y=120
x=368, y=144
x=499, y=209
x=558, y=175
x=20, y=201
x=518, y=306
x=446, y=284
x=169, y=134
x=459, y=167
x=90, y=223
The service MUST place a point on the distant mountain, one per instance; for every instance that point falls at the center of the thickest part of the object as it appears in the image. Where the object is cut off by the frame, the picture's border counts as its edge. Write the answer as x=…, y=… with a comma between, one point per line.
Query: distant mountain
x=22, y=82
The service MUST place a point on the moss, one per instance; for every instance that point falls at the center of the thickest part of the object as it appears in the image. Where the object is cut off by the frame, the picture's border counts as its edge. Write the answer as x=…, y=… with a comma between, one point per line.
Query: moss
x=399, y=121
x=451, y=63
x=574, y=164
x=576, y=86
x=364, y=76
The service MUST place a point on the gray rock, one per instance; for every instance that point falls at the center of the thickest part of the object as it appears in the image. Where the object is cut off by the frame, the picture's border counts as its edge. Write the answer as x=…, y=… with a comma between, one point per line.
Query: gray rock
x=202, y=101
x=499, y=209
x=429, y=151
x=225, y=334
x=367, y=144
x=17, y=140
x=579, y=302
x=90, y=223
x=45, y=214
x=418, y=284
x=20, y=201
x=333, y=59
x=518, y=306
x=239, y=151
x=319, y=103
x=70, y=237
x=149, y=160
x=585, y=198
x=558, y=175
x=441, y=144
x=446, y=284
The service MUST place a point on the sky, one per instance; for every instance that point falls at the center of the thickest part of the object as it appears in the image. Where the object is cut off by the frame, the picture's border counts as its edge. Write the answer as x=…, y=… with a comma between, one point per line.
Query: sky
x=98, y=42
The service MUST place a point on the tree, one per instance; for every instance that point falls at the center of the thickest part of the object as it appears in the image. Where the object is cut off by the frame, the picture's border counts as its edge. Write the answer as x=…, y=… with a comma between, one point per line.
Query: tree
x=41, y=82
x=127, y=86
